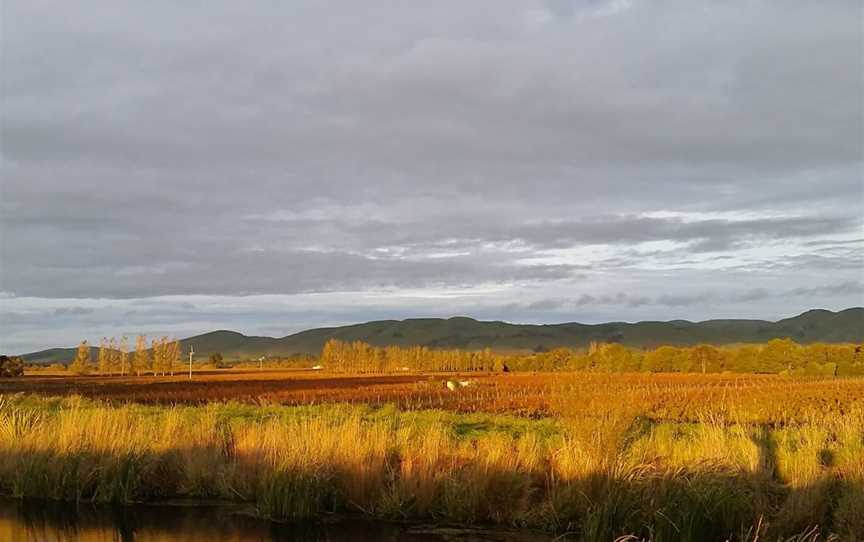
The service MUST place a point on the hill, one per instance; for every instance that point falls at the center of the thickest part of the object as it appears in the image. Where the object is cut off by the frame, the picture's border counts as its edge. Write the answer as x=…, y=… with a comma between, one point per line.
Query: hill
x=466, y=333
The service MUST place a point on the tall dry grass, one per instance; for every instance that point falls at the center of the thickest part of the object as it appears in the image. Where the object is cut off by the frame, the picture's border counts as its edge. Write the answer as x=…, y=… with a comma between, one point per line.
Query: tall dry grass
x=591, y=478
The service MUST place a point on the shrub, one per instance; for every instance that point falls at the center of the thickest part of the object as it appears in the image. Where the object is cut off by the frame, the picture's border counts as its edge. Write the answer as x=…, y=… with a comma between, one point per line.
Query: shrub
x=11, y=366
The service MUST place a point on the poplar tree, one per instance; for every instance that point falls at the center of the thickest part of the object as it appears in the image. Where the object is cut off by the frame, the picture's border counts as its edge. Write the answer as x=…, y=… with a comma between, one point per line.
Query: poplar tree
x=113, y=356
x=162, y=362
x=158, y=358
x=172, y=354
x=124, y=355
x=81, y=365
x=141, y=360
x=104, y=356
x=178, y=352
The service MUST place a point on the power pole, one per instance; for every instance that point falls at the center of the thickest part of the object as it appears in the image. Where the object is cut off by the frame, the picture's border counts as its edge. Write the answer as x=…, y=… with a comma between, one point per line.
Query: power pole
x=261, y=362
x=191, y=352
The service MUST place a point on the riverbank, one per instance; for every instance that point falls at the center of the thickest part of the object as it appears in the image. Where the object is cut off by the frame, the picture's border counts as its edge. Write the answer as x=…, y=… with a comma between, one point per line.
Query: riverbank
x=596, y=478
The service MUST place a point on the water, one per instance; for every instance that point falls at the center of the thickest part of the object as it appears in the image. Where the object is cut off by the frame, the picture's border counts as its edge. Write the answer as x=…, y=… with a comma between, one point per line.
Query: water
x=46, y=521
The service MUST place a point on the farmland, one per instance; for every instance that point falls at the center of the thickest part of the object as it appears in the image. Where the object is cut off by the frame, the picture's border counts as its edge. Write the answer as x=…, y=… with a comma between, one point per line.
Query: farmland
x=666, y=397
x=589, y=456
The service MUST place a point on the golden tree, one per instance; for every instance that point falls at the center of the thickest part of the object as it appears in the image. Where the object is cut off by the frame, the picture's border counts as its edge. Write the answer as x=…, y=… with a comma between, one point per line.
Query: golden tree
x=81, y=365
x=172, y=354
x=113, y=356
x=123, y=351
x=104, y=356
x=141, y=359
x=158, y=356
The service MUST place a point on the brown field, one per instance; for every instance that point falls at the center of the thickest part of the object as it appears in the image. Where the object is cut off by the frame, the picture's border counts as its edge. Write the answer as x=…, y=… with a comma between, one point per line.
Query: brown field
x=672, y=397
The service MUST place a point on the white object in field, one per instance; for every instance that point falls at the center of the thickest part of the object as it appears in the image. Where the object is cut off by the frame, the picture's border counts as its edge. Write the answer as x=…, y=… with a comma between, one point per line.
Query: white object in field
x=452, y=385
x=317, y=367
x=404, y=369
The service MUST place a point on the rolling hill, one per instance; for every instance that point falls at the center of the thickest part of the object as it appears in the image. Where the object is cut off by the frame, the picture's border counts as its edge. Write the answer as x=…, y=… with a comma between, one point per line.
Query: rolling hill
x=467, y=333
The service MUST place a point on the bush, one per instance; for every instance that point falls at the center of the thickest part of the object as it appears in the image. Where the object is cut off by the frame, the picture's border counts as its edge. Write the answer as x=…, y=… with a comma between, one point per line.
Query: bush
x=217, y=361
x=11, y=366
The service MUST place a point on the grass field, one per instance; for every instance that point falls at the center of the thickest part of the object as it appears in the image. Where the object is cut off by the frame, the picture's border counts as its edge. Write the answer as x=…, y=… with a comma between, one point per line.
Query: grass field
x=590, y=456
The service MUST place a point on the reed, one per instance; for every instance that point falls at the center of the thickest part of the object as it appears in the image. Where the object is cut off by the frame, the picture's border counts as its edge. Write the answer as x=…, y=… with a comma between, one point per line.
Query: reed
x=714, y=479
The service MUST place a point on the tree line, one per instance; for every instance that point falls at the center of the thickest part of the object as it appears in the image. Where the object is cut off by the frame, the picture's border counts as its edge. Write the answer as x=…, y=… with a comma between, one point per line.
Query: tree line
x=778, y=356
x=161, y=356
x=360, y=357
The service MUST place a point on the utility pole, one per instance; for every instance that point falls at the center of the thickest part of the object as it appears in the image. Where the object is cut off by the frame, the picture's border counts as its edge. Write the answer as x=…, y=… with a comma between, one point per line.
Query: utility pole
x=261, y=362
x=191, y=352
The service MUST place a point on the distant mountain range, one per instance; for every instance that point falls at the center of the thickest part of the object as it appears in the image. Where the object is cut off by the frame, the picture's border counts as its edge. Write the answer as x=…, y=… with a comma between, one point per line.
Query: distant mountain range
x=466, y=333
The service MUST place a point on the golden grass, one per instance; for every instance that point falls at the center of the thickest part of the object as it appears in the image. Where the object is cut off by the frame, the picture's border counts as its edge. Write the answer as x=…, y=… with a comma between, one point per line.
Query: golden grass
x=594, y=477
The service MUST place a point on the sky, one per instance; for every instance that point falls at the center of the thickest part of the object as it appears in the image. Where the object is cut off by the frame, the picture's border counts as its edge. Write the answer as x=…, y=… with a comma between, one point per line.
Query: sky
x=179, y=167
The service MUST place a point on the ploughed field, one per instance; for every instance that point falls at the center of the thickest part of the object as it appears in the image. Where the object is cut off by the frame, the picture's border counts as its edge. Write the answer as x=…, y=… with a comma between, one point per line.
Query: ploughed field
x=667, y=396
x=288, y=386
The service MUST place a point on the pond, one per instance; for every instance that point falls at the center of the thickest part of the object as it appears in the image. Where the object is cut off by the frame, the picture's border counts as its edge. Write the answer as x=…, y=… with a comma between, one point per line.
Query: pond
x=49, y=521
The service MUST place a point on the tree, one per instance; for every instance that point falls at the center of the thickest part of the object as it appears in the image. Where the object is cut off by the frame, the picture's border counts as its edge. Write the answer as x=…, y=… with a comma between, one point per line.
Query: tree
x=555, y=360
x=81, y=365
x=113, y=356
x=155, y=356
x=172, y=355
x=161, y=356
x=331, y=354
x=216, y=359
x=123, y=350
x=104, y=357
x=164, y=355
x=665, y=359
x=745, y=359
x=705, y=358
x=141, y=360
x=779, y=355
x=614, y=357
x=11, y=366
x=856, y=366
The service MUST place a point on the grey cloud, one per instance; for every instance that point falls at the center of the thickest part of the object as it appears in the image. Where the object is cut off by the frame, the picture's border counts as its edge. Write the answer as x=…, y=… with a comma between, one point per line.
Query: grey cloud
x=272, y=256
x=755, y=294
x=619, y=299
x=158, y=148
x=545, y=305
x=834, y=242
x=681, y=300
x=284, y=272
x=853, y=289
x=72, y=311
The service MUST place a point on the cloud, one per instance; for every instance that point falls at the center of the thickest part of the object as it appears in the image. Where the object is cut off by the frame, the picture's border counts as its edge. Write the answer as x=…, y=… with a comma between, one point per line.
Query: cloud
x=540, y=148
x=852, y=291
x=274, y=257
x=545, y=305
x=72, y=311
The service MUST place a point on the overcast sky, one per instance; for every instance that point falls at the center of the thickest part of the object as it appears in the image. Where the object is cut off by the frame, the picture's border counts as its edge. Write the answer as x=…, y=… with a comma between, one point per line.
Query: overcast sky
x=179, y=167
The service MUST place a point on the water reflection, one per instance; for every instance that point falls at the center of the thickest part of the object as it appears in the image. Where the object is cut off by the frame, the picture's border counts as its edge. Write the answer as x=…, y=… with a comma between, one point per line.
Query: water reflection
x=46, y=521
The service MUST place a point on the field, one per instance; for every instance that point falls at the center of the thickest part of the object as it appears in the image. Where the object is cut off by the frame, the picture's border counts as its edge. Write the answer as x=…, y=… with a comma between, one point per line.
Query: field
x=660, y=397
x=589, y=456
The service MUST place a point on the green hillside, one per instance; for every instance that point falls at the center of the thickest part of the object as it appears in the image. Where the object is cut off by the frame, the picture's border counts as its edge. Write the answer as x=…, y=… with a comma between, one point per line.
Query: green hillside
x=467, y=333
